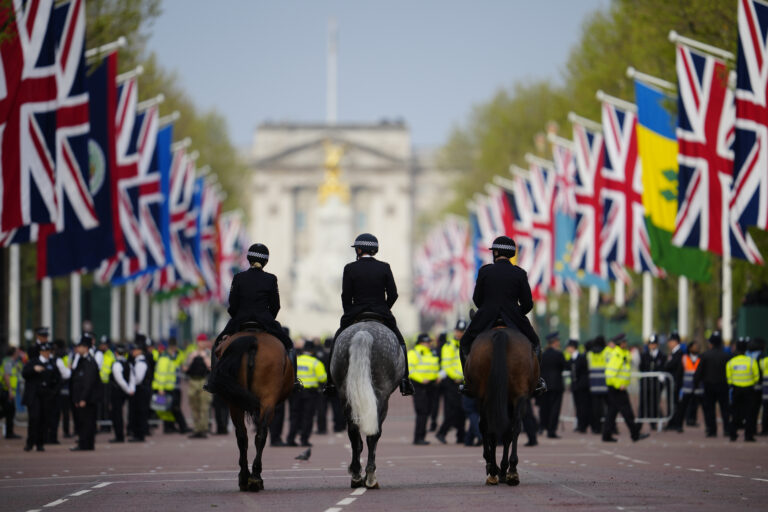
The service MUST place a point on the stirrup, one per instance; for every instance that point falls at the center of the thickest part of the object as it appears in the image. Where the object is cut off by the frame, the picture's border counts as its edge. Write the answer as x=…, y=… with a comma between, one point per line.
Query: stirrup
x=540, y=389
x=406, y=387
x=465, y=390
x=297, y=385
x=329, y=389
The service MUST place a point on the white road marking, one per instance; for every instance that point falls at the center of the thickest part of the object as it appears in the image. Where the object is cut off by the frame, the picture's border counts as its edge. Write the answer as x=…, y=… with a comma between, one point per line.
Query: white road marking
x=34, y=510
x=696, y=470
x=346, y=501
x=333, y=509
x=760, y=479
x=358, y=492
x=80, y=493
x=728, y=475
x=54, y=503
x=102, y=484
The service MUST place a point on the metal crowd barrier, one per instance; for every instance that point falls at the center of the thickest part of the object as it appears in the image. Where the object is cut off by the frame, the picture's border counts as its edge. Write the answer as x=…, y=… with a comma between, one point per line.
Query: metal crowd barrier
x=651, y=394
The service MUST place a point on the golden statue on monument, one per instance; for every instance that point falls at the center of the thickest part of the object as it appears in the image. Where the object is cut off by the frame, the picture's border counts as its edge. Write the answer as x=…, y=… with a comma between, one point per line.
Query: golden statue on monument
x=332, y=184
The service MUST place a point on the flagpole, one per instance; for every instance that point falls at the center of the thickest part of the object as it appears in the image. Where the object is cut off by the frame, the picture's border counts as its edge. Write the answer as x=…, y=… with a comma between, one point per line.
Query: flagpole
x=727, y=319
x=156, y=320
x=618, y=293
x=144, y=312
x=75, y=307
x=574, y=315
x=682, y=307
x=14, y=297
x=647, y=305
x=46, y=295
x=594, y=299
x=114, y=315
x=130, y=311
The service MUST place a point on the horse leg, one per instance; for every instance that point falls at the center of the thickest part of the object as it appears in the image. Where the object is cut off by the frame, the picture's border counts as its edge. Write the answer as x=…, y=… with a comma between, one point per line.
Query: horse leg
x=238, y=419
x=356, y=442
x=489, y=454
x=255, y=483
x=513, y=478
x=505, y=439
x=370, y=467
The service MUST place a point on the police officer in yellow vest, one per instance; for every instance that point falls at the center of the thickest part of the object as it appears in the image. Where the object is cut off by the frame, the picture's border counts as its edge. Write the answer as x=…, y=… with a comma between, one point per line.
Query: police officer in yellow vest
x=764, y=373
x=304, y=402
x=617, y=373
x=10, y=369
x=597, y=358
x=424, y=366
x=742, y=374
x=452, y=376
x=105, y=358
x=166, y=381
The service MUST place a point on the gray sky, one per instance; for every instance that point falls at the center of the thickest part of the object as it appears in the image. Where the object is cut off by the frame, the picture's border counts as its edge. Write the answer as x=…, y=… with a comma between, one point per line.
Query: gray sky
x=424, y=61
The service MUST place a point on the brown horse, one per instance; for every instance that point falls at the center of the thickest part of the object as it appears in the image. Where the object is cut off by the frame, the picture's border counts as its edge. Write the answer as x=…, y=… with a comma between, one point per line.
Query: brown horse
x=253, y=375
x=503, y=372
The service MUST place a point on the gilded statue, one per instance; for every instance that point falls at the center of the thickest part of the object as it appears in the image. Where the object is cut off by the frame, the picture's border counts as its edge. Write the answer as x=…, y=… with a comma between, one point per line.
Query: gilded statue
x=332, y=184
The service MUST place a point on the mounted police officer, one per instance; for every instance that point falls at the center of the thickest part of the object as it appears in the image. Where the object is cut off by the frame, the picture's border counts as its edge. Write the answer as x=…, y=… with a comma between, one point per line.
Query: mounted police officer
x=369, y=287
x=502, y=293
x=254, y=297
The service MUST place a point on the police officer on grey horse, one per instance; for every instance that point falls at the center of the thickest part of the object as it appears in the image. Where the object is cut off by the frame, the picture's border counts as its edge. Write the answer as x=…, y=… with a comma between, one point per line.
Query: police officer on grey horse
x=369, y=287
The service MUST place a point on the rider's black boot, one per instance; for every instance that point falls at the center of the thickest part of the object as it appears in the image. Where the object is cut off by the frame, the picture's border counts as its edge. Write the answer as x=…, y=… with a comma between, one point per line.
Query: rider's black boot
x=541, y=387
x=329, y=389
x=463, y=387
x=406, y=386
x=297, y=386
x=209, y=384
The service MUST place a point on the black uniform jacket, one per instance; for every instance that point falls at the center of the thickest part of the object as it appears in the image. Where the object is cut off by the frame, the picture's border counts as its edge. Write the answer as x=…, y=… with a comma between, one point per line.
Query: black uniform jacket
x=579, y=373
x=85, y=383
x=674, y=366
x=711, y=369
x=254, y=296
x=552, y=367
x=367, y=286
x=40, y=385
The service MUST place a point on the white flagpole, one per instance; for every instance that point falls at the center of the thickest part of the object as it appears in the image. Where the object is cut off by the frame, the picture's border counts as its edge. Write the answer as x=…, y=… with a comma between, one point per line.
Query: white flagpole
x=727, y=318
x=647, y=305
x=618, y=293
x=574, y=316
x=46, y=292
x=14, y=297
x=130, y=311
x=594, y=299
x=156, y=320
x=682, y=307
x=75, y=309
x=144, y=312
x=114, y=314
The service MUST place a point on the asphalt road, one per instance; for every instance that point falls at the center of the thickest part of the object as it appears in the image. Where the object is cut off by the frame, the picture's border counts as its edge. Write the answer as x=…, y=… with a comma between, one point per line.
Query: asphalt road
x=668, y=471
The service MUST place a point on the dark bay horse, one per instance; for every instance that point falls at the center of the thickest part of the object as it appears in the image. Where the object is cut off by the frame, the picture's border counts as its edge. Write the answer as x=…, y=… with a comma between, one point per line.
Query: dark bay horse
x=503, y=372
x=367, y=366
x=253, y=375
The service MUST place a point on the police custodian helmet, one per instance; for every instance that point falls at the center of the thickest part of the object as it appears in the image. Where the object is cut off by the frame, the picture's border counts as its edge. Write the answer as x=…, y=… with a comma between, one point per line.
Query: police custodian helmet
x=258, y=253
x=367, y=243
x=504, y=245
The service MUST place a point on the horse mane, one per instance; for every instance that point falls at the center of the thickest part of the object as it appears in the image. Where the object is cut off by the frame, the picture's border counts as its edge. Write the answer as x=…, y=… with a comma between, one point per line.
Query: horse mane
x=226, y=373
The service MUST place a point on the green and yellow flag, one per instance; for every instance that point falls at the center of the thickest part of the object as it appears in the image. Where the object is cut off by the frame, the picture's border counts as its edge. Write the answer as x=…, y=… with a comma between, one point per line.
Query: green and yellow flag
x=657, y=146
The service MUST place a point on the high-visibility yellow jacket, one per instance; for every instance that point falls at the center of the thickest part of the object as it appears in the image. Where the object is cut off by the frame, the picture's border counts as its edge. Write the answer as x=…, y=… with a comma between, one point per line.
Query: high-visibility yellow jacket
x=106, y=366
x=311, y=371
x=618, y=368
x=423, y=364
x=450, y=362
x=165, y=374
x=764, y=368
x=596, y=362
x=741, y=371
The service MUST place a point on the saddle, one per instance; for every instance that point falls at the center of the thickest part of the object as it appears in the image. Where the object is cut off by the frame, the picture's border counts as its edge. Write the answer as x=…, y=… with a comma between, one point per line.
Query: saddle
x=369, y=316
x=247, y=326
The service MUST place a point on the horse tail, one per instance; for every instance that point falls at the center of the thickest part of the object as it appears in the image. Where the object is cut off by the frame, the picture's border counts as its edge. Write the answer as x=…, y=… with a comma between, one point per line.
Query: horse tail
x=358, y=387
x=497, y=410
x=227, y=371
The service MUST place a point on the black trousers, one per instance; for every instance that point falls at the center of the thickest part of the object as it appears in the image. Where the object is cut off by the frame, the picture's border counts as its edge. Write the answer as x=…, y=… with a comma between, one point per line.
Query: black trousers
x=86, y=437
x=39, y=413
x=303, y=407
x=178, y=416
x=117, y=401
x=52, y=423
x=716, y=394
x=139, y=413
x=743, y=412
x=551, y=402
x=618, y=402
x=650, y=396
x=220, y=414
x=685, y=408
x=276, y=427
x=529, y=422
x=453, y=412
x=763, y=430
x=597, y=411
x=434, y=407
x=9, y=413
x=339, y=420
x=67, y=413
x=692, y=409
x=582, y=402
x=102, y=409
x=422, y=406
x=322, y=414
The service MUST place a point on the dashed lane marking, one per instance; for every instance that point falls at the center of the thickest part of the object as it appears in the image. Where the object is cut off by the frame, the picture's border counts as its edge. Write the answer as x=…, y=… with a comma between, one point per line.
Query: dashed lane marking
x=728, y=475
x=696, y=470
x=102, y=484
x=55, y=503
x=346, y=501
x=358, y=492
x=333, y=509
x=80, y=493
x=760, y=479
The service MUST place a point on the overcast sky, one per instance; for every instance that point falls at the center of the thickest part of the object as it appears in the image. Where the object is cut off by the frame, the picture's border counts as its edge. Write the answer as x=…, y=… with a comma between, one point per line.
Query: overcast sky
x=426, y=62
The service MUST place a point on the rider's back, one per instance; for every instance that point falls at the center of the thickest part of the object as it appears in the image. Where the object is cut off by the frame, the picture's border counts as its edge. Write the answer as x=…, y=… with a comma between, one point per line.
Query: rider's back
x=254, y=294
x=368, y=285
x=501, y=285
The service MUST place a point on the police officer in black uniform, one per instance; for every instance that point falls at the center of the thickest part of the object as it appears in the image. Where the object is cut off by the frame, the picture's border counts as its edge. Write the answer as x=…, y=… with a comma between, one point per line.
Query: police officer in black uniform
x=41, y=337
x=369, y=287
x=711, y=373
x=41, y=386
x=254, y=297
x=139, y=403
x=122, y=386
x=86, y=392
x=502, y=292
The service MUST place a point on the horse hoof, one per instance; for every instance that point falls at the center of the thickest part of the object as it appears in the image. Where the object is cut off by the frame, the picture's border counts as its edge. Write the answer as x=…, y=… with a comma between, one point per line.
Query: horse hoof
x=374, y=485
x=513, y=478
x=492, y=480
x=357, y=482
x=255, y=484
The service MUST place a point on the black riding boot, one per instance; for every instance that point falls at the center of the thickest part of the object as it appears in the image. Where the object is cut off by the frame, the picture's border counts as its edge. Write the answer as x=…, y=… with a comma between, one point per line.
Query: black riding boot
x=329, y=389
x=297, y=385
x=464, y=387
x=541, y=387
x=209, y=384
x=406, y=386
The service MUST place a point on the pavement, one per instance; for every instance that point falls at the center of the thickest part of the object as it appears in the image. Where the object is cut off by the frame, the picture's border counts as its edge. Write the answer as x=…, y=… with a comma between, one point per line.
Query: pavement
x=668, y=471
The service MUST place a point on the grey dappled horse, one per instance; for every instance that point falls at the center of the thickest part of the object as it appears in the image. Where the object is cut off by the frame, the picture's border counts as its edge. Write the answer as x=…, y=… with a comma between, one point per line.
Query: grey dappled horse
x=367, y=366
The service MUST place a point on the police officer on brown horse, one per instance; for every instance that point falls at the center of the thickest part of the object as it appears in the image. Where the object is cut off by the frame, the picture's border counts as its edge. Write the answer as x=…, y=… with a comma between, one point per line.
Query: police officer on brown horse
x=254, y=297
x=369, y=287
x=502, y=293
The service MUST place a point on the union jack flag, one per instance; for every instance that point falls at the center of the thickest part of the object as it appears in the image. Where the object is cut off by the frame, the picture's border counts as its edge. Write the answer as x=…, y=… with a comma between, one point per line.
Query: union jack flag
x=231, y=256
x=624, y=238
x=588, y=152
x=28, y=104
x=749, y=202
x=705, y=135
x=541, y=183
x=208, y=250
x=565, y=178
x=183, y=217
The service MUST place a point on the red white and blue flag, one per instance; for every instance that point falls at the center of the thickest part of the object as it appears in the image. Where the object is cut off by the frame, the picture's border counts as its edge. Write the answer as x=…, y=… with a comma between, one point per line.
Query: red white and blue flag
x=705, y=135
x=749, y=202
